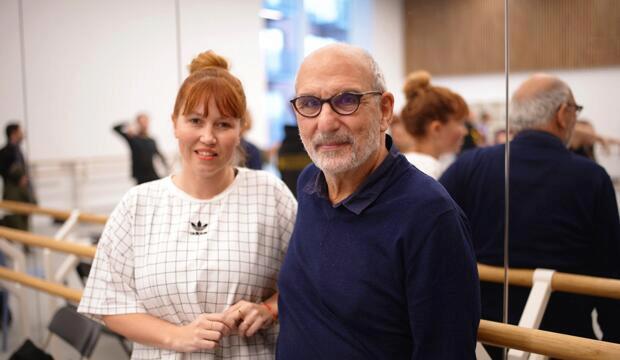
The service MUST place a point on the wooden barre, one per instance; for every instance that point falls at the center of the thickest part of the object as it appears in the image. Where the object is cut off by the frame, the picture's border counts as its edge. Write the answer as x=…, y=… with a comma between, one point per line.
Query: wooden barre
x=40, y=284
x=545, y=342
x=28, y=238
x=530, y=340
x=25, y=208
x=577, y=284
x=571, y=283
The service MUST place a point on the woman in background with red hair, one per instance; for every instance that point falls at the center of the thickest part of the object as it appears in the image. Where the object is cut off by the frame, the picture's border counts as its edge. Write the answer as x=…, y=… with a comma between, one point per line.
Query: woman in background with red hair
x=434, y=117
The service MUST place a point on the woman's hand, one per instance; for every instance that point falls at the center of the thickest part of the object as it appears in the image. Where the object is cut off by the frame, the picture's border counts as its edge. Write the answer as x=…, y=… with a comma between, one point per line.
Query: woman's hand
x=203, y=333
x=250, y=317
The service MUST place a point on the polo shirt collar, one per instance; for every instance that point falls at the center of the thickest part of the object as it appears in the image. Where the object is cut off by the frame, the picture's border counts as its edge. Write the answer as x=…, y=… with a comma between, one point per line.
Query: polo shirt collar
x=368, y=191
x=539, y=136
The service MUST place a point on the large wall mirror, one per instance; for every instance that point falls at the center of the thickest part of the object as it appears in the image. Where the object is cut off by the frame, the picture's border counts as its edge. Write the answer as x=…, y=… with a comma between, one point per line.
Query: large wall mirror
x=564, y=168
x=462, y=44
x=563, y=214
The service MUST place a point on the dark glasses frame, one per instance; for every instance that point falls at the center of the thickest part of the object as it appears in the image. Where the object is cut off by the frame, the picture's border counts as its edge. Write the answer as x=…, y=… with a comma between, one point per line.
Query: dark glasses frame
x=330, y=100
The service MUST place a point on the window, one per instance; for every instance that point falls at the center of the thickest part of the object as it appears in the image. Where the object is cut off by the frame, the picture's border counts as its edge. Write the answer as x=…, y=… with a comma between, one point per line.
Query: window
x=293, y=29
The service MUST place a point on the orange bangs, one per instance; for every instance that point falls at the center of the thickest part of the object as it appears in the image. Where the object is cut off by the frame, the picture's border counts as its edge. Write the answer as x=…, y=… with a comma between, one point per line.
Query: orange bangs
x=198, y=89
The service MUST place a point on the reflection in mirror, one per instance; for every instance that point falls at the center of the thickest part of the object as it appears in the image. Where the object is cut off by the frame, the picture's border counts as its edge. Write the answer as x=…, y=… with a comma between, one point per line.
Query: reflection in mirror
x=563, y=210
x=461, y=44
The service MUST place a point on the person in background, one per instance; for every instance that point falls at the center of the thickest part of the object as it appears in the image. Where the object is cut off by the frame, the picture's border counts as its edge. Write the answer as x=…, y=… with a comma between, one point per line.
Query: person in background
x=401, y=137
x=189, y=263
x=435, y=118
x=17, y=186
x=380, y=264
x=483, y=125
x=15, y=175
x=143, y=149
x=563, y=211
x=585, y=137
x=472, y=139
x=292, y=158
x=499, y=137
x=252, y=154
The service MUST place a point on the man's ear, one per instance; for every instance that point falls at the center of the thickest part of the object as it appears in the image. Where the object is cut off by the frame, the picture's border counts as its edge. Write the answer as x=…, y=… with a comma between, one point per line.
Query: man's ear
x=563, y=117
x=387, y=110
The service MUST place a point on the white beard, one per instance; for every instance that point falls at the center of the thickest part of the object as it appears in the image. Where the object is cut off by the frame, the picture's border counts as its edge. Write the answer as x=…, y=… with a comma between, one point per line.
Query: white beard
x=349, y=157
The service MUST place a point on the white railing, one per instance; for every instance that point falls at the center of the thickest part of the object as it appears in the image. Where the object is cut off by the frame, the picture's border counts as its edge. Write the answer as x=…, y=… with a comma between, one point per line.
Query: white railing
x=94, y=184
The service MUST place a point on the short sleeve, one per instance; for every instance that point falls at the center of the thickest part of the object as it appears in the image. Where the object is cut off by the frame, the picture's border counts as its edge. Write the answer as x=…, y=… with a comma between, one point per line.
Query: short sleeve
x=110, y=288
x=286, y=207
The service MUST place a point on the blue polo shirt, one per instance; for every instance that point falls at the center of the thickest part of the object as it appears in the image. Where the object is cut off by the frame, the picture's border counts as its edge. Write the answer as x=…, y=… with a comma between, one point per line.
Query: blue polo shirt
x=563, y=216
x=388, y=273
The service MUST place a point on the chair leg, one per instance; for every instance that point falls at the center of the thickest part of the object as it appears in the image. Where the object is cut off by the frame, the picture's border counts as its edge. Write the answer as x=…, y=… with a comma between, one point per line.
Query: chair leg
x=126, y=347
x=47, y=341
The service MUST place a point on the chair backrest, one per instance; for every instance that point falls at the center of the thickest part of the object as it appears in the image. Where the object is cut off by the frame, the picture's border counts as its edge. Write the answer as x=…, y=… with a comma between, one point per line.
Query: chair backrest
x=77, y=330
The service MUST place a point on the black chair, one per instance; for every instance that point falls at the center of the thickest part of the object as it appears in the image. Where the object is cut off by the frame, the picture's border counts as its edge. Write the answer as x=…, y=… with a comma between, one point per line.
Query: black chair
x=77, y=330
x=83, y=269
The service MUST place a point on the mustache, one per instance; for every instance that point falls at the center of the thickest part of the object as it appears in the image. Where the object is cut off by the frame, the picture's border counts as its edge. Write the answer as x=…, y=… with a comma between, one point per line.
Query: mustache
x=326, y=138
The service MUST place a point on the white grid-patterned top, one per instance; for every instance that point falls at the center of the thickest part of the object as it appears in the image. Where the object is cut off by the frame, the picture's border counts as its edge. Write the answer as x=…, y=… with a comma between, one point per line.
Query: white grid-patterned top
x=175, y=257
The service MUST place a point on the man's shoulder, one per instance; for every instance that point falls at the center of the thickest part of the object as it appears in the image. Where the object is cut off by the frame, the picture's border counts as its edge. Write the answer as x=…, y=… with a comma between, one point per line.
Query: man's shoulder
x=582, y=162
x=481, y=153
x=418, y=193
x=7, y=148
x=473, y=159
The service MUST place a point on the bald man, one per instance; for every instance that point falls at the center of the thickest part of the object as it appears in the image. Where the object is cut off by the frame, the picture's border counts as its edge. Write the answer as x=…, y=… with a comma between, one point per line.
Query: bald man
x=563, y=212
x=380, y=264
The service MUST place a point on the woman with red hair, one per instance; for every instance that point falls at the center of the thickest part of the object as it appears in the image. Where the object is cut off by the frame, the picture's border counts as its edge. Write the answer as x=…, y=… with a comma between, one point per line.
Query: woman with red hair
x=189, y=263
x=434, y=118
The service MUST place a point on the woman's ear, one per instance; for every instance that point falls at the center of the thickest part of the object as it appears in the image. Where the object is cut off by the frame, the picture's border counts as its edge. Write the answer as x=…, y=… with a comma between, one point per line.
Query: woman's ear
x=174, y=125
x=435, y=127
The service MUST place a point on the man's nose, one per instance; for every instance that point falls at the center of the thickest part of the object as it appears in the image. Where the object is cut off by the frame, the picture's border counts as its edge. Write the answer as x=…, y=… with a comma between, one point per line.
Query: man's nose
x=328, y=120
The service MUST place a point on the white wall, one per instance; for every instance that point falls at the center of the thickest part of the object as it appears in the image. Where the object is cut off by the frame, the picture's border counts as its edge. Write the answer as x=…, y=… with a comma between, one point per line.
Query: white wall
x=89, y=64
x=388, y=44
x=378, y=26
x=230, y=28
x=11, y=99
x=595, y=89
x=92, y=63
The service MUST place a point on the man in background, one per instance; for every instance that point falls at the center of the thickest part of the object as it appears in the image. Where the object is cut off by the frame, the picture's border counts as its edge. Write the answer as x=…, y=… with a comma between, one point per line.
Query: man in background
x=14, y=171
x=143, y=149
x=16, y=187
x=563, y=211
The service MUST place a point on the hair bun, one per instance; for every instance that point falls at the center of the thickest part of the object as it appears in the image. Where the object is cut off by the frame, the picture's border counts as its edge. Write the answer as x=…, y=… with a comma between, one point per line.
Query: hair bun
x=416, y=82
x=207, y=60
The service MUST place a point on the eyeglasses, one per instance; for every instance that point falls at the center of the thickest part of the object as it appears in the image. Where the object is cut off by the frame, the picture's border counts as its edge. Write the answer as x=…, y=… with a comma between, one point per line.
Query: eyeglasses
x=578, y=108
x=345, y=103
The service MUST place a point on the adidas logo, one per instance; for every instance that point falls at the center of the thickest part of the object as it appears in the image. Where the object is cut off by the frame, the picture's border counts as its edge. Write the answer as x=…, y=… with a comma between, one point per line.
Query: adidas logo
x=198, y=227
